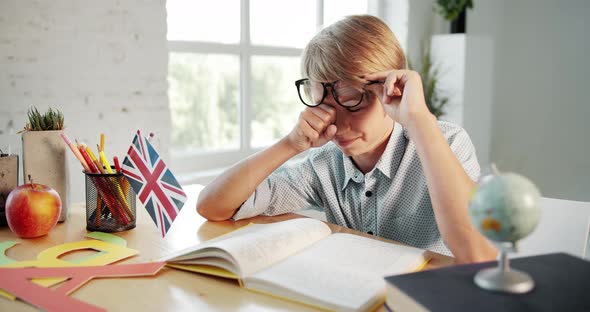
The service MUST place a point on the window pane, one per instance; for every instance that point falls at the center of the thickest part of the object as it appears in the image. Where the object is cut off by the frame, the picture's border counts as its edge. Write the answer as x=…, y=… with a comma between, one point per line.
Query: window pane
x=282, y=23
x=275, y=105
x=204, y=92
x=337, y=9
x=215, y=21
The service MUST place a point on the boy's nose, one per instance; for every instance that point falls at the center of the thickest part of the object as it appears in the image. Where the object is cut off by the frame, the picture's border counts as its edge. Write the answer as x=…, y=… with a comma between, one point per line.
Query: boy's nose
x=329, y=100
x=342, y=118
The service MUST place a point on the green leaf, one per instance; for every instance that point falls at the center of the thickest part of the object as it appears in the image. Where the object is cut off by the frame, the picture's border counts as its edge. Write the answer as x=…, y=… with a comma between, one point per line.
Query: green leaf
x=430, y=77
x=52, y=120
x=450, y=9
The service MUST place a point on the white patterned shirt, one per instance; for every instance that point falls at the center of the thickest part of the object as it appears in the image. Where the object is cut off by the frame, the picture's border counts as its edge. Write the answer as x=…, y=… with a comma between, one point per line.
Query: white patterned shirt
x=391, y=201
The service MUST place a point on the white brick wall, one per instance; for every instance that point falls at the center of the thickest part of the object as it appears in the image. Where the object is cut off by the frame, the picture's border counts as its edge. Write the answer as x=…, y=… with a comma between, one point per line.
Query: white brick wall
x=102, y=63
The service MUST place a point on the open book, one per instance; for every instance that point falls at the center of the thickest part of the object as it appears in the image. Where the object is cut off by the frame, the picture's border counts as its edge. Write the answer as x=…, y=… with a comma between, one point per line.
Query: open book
x=302, y=260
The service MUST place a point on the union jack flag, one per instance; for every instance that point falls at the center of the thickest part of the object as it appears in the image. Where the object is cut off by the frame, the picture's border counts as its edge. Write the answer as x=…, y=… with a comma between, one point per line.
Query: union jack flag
x=155, y=185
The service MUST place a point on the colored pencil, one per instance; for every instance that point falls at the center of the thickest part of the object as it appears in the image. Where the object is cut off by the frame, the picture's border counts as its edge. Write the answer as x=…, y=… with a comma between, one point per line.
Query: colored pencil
x=94, y=160
x=117, y=165
x=89, y=162
x=75, y=151
x=102, y=142
x=105, y=161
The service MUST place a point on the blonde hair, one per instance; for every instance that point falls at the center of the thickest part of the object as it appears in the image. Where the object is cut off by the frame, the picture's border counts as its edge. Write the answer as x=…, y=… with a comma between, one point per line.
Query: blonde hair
x=353, y=46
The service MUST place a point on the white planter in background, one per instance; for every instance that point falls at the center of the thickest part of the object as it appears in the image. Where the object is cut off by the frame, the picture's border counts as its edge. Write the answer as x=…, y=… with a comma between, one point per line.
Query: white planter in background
x=448, y=56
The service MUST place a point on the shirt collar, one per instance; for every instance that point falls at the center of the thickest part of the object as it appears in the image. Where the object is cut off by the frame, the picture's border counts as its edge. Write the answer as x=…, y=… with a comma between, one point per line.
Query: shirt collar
x=351, y=172
x=387, y=164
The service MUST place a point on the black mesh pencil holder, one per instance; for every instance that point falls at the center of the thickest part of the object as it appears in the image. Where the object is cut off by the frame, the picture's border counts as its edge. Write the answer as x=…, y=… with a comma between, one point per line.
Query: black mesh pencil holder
x=110, y=203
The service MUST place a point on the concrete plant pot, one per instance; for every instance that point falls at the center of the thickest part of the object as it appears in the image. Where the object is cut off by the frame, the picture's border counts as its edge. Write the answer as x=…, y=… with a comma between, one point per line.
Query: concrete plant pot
x=44, y=158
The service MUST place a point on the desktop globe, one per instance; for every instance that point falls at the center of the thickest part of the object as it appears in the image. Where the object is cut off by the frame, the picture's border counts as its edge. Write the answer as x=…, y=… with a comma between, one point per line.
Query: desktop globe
x=505, y=208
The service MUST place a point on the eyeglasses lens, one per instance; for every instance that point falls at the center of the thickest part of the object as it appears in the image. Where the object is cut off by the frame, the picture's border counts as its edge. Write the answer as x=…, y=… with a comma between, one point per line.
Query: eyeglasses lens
x=312, y=93
x=349, y=94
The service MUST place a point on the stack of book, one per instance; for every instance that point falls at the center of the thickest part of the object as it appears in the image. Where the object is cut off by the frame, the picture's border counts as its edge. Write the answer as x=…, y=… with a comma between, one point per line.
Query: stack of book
x=562, y=283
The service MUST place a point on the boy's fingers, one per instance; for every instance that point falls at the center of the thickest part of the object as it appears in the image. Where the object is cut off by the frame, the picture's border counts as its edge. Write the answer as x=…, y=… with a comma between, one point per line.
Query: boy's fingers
x=326, y=136
x=394, y=80
x=325, y=112
x=330, y=132
x=390, y=84
x=321, y=117
x=307, y=131
x=317, y=121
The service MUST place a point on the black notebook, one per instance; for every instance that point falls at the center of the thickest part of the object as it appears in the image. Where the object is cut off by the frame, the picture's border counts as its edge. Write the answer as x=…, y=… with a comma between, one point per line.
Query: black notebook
x=562, y=283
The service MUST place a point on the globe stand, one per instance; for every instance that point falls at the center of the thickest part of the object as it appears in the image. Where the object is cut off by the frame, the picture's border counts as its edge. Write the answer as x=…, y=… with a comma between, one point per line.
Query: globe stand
x=502, y=278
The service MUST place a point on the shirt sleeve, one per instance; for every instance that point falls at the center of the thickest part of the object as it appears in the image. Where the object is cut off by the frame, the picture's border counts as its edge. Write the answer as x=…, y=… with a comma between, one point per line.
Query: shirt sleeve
x=464, y=150
x=290, y=188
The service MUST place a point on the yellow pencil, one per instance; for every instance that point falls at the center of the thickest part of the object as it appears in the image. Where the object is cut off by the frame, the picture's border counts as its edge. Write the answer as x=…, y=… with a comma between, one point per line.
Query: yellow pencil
x=105, y=161
x=93, y=158
x=101, y=142
x=120, y=200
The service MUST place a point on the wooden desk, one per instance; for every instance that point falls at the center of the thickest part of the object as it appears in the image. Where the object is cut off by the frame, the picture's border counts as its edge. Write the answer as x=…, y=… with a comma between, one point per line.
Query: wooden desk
x=170, y=290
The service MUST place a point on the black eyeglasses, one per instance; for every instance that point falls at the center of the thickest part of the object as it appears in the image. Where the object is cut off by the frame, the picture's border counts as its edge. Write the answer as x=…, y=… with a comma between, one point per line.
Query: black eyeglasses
x=347, y=94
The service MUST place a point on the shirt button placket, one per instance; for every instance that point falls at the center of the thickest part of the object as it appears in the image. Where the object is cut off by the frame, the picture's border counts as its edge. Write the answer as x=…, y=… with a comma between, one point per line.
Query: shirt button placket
x=371, y=205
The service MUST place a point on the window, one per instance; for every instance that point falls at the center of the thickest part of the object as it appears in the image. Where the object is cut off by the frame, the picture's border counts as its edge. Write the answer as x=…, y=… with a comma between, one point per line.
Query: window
x=231, y=68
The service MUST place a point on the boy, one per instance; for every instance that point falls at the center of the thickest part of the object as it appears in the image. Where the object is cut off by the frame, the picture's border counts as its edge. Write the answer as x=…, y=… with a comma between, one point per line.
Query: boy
x=381, y=162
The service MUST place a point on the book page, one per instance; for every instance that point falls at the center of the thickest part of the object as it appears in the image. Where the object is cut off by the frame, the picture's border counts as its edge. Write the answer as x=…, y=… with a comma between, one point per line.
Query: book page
x=257, y=246
x=341, y=272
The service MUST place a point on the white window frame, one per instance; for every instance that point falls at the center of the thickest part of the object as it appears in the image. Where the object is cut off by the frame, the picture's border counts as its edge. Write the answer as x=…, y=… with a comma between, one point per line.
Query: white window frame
x=192, y=167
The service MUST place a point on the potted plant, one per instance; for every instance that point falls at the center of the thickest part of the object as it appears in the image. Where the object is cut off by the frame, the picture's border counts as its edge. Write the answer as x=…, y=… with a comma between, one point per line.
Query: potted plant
x=44, y=153
x=455, y=12
x=435, y=101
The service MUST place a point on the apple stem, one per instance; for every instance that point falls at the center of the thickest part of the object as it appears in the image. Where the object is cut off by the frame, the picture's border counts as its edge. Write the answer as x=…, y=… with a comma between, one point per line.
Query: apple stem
x=31, y=181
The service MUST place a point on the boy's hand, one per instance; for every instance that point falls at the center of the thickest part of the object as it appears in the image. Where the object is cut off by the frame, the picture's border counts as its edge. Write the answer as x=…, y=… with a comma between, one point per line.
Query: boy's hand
x=403, y=95
x=314, y=128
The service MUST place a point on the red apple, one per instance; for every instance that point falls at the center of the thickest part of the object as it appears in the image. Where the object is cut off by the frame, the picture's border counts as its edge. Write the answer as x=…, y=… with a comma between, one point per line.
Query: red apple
x=32, y=210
